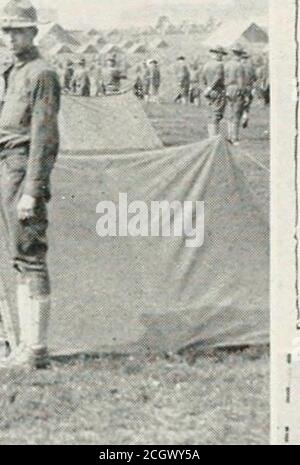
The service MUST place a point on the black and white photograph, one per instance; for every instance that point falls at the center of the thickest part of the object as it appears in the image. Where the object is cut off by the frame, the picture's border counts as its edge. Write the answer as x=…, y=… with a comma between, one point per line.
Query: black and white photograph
x=135, y=143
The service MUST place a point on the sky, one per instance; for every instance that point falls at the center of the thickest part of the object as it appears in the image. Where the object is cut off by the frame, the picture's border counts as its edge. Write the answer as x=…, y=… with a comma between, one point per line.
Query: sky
x=106, y=14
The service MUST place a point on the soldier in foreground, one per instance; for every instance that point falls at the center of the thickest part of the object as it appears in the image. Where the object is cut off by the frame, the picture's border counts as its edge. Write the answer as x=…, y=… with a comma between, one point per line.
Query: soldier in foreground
x=235, y=79
x=214, y=81
x=29, y=140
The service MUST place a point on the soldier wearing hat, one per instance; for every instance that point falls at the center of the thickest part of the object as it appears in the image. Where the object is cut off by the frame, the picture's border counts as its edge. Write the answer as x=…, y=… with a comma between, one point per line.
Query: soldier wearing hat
x=213, y=77
x=68, y=76
x=81, y=81
x=235, y=80
x=155, y=80
x=29, y=140
x=112, y=76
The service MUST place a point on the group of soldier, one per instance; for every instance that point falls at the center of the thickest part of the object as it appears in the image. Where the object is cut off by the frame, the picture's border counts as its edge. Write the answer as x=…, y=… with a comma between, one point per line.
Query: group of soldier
x=90, y=80
x=231, y=86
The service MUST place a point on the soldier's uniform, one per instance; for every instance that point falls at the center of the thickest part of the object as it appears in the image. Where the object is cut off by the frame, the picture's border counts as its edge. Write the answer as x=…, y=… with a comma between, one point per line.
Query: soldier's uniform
x=213, y=77
x=195, y=89
x=146, y=80
x=29, y=141
x=250, y=80
x=183, y=81
x=81, y=81
x=235, y=93
x=155, y=79
x=112, y=77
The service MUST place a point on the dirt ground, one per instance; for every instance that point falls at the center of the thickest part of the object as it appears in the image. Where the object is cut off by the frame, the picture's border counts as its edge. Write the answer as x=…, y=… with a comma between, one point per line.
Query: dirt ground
x=187, y=399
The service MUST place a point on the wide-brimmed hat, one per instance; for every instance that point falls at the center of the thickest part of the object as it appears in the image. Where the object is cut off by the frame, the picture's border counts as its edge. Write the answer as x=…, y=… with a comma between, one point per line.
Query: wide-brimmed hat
x=18, y=14
x=238, y=49
x=218, y=49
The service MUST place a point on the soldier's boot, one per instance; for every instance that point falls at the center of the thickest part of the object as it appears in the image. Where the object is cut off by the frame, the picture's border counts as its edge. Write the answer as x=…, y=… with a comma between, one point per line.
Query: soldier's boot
x=19, y=355
x=31, y=352
x=40, y=315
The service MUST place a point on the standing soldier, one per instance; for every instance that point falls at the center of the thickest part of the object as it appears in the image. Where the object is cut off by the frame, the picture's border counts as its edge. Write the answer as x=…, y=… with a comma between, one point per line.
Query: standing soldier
x=112, y=76
x=214, y=81
x=183, y=81
x=146, y=79
x=235, y=80
x=81, y=81
x=138, y=84
x=154, y=81
x=29, y=140
x=68, y=76
x=250, y=80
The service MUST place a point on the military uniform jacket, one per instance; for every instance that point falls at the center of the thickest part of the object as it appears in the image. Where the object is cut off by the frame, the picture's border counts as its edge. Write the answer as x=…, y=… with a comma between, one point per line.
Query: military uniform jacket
x=213, y=75
x=30, y=116
x=235, y=74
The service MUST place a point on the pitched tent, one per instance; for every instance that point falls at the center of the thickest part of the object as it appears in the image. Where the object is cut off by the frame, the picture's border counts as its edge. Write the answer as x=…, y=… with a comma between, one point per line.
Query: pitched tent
x=159, y=43
x=126, y=44
x=56, y=34
x=246, y=33
x=110, y=48
x=88, y=49
x=60, y=49
x=124, y=294
x=138, y=48
x=93, y=32
x=110, y=124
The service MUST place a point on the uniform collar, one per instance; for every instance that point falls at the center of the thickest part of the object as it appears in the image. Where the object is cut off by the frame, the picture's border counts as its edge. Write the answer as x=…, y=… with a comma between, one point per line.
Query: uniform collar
x=28, y=55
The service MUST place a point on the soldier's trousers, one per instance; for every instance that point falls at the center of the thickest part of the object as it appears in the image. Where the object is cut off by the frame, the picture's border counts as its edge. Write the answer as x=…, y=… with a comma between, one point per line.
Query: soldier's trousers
x=217, y=108
x=26, y=239
x=236, y=108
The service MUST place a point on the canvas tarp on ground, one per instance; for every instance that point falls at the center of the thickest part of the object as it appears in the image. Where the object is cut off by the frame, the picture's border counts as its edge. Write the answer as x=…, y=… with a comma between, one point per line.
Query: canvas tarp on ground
x=126, y=294
x=89, y=124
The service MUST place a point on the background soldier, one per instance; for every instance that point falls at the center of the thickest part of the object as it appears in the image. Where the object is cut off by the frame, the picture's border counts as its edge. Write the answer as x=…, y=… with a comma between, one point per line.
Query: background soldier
x=214, y=80
x=195, y=89
x=250, y=80
x=112, y=76
x=155, y=79
x=81, y=80
x=28, y=149
x=183, y=80
x=69, y=73
x=235, y=79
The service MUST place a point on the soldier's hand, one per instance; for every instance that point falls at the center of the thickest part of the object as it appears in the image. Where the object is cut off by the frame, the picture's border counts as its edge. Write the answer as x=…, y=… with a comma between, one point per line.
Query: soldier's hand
x=26, y=207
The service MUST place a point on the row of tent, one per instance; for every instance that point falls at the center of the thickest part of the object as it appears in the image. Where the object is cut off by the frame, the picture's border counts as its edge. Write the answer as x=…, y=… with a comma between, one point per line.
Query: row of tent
x=91, y=48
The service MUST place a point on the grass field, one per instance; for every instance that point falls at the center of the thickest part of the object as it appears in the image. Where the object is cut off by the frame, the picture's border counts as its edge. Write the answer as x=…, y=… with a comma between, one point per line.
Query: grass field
x=187, y=399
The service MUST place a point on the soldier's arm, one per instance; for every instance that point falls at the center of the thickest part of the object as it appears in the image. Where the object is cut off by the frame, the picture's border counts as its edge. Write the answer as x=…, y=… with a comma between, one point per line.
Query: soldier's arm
x=44, y=140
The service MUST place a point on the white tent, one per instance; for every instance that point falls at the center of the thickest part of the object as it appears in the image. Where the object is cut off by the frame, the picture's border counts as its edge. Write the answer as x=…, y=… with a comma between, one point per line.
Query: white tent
x=110, y=48
x=246, y=33
x=88, y=48
x=61, y=49
x=138, y=48
x=159, y=43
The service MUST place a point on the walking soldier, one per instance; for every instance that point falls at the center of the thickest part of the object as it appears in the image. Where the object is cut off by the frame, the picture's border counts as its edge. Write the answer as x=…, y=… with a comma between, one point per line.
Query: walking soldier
x=214, y=80
x=235, y=80
x=28, y=149
x=250, y=80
